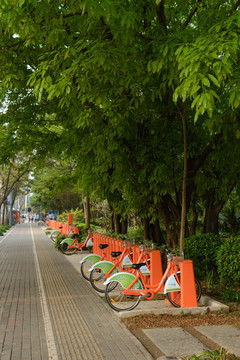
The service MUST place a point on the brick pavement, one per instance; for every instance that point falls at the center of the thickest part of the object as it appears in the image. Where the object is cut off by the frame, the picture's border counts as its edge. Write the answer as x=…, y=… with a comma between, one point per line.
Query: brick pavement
x=47, y=311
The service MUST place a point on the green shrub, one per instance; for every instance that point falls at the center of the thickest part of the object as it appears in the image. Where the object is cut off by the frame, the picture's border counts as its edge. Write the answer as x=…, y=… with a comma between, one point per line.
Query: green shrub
x=57, y=243
x=135, y=234
x=228, y=261
x=203, y=249
x=3, y=229
x=82, y=228
x=230, y=295
x=77, y=216
x=220, y=354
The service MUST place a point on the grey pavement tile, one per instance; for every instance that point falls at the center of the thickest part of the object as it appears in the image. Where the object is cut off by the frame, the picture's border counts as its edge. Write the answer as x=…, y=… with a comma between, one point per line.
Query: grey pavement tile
x=227, y=336
x=175, y=341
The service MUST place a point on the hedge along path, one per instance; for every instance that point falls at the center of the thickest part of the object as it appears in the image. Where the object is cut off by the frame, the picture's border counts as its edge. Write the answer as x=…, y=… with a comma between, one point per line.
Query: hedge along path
x=72, y=332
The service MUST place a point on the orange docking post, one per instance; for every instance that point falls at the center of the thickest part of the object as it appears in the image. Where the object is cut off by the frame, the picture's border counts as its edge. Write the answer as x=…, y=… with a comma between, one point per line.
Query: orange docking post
x=188, y=289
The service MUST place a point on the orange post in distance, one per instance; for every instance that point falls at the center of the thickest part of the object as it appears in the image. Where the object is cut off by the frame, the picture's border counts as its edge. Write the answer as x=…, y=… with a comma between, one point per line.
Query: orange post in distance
x=188, y=289
x=70, y=219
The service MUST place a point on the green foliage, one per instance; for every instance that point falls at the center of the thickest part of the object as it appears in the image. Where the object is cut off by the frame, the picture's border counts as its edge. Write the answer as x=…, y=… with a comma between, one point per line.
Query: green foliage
x=53, y=187
x=77, y=216
x=203, y=250
x=229, y=219
x=3, y=229
x=228, y=261
x=57, y=243
x=213, y=355
x=82, y=228
x=136, y=235
x=230, y=295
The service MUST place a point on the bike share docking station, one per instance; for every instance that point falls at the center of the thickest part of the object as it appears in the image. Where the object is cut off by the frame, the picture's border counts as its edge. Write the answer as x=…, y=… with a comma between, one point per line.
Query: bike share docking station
x=188, y=302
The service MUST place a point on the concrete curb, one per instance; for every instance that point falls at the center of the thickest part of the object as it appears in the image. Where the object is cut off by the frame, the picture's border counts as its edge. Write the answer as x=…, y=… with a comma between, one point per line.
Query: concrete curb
x=206, y=305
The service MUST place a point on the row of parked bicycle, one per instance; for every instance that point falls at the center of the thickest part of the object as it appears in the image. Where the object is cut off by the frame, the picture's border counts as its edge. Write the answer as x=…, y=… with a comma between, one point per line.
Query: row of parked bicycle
x=126, y=273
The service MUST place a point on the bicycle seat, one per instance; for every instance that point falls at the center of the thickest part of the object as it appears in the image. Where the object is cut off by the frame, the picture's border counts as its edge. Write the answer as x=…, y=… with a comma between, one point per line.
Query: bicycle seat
x=137, y=266
x=103, y=246
x=60, y=227
x=116, y=253
x=75, y=234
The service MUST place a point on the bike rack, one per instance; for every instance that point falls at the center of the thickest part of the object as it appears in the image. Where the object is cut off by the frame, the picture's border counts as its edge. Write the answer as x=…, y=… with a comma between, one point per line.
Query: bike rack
x=188, y=290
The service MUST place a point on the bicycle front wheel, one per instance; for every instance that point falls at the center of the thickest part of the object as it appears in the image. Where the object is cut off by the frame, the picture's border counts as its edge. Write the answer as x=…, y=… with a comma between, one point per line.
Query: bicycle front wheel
x=174, y=297
x=117, y=300
x=84, y=268
x=69, y=249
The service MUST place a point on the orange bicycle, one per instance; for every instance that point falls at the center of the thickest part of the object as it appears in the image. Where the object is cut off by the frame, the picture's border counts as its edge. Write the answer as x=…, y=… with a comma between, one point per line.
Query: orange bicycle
x=70, y=245
x=129, y=288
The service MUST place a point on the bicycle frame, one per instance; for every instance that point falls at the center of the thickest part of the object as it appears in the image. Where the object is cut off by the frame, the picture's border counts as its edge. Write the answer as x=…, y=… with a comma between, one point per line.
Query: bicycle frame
x=72, y=242
x=109, y=267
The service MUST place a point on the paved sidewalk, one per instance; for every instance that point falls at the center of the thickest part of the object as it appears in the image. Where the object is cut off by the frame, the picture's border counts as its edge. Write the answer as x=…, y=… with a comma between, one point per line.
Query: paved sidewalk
x=48, y=311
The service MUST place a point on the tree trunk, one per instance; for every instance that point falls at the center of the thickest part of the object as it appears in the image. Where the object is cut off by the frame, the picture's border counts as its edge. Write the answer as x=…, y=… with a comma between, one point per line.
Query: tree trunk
x=86, y=206
x=117, y=223
x=124, y=223
x=171, y=215
x=194, y=217
x=156, y=233
x=146, y=229
x=152, y=232
x=184, y=183
x=212, y=210
x=3, y=213
x=111, y=220
x=211, y=220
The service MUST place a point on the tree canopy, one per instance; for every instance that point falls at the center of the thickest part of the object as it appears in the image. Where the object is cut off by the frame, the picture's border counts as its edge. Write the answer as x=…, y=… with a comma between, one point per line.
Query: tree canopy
x=109, y=84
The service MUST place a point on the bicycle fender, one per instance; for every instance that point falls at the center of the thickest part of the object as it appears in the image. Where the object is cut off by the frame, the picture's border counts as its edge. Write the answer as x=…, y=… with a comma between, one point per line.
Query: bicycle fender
x=94, y=258
x=125, y=279
x=171, y=285
x=67, y=240
x=105, y=266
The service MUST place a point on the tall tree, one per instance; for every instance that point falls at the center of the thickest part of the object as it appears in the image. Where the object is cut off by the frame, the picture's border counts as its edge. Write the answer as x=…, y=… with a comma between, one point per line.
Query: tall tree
x=115, y=78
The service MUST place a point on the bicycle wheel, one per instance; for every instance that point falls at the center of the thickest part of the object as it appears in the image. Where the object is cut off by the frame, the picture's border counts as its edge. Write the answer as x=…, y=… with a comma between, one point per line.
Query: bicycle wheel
x=69, y=249
x=97, y=278
x=175, y=297
x=54, y=235
x=117, y=300
x=84, y=267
